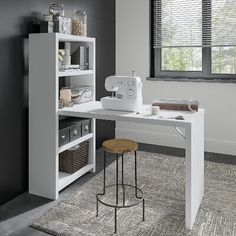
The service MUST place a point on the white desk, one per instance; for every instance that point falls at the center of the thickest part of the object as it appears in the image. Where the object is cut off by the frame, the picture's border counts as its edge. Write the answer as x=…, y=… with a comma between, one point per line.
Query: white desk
x=194, y=144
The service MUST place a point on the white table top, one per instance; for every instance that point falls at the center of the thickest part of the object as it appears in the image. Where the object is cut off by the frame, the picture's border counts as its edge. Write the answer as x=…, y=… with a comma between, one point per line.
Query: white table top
x=95, y=110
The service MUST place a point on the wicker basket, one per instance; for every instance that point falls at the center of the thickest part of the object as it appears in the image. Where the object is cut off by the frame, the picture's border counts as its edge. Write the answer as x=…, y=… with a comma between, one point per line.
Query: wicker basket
x=71, y=161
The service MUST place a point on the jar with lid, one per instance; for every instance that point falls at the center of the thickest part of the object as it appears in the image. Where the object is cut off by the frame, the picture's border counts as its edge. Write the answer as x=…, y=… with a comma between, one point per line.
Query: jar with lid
x=61, y=24
x=79, y=23
x=56, y=9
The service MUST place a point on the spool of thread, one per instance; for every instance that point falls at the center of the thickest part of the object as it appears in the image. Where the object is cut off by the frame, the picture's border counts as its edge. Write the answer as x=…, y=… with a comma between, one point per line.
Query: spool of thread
x=155, y=110
x=65, y=96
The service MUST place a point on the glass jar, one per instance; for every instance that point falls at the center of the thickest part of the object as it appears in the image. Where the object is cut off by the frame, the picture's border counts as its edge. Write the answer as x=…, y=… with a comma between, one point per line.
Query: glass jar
x=79, y=23
x=56, y=9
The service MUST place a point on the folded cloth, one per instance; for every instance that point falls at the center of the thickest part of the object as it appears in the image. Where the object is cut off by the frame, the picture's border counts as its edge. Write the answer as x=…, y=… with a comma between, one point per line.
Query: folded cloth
x=178, y=105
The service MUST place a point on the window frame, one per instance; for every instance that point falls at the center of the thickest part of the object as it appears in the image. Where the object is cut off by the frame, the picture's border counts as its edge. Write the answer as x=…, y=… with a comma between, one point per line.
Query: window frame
x=205, y=75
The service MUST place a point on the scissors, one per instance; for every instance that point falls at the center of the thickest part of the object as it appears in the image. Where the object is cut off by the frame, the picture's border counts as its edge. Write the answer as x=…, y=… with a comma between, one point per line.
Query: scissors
x=174, y=117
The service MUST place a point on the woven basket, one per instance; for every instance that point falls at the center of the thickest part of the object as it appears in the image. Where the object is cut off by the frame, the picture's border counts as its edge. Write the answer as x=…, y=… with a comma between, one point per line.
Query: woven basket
x=71, y=161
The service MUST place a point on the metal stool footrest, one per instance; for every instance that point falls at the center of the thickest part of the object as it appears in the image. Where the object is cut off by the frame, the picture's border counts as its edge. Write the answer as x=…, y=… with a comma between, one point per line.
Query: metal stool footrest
x=140, y=198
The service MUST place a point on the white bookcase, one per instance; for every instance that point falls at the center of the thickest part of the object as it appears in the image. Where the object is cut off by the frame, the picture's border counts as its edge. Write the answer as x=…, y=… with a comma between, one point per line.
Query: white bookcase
x=44, y=75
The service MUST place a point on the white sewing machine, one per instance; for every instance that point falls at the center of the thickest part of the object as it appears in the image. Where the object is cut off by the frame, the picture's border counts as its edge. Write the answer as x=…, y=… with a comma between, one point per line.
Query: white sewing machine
x=126, y=93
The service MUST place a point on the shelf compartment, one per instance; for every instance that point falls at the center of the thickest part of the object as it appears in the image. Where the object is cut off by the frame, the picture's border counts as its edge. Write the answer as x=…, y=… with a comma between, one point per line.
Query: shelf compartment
x=74, y=143
x=66, y=179
x=75, y=73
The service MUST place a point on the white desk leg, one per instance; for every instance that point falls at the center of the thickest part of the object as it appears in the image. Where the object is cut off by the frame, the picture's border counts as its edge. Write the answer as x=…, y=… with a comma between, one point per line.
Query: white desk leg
x=194, y=188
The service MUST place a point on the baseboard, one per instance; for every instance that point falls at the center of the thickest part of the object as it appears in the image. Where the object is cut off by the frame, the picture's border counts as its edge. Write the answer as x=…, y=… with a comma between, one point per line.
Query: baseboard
x=211, y=145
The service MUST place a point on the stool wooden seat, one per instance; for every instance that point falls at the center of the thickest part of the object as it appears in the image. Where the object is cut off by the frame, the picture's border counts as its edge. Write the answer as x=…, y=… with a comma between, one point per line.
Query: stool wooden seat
x=119, y=146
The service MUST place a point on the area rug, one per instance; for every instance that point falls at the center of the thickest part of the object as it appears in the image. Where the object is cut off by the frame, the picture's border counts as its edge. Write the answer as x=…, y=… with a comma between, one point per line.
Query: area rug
x=162, y=179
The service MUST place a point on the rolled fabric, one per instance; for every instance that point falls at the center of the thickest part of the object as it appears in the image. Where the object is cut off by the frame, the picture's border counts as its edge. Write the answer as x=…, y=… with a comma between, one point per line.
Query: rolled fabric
x=177, y=105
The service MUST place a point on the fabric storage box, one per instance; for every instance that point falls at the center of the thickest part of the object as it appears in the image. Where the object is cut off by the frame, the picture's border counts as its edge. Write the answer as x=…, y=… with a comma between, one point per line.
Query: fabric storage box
x=64, y=134
x=69, y=130
x=86, y=126
x=75, y=131
x=74, y=159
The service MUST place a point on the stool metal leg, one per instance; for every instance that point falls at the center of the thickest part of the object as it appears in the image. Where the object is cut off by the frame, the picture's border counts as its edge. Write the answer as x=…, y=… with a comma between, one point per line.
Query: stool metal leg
x=104, y=183
x=143, y=210
x=115, y=220
x=135, y=172
x=104, y=177
x=122, y=170
x=97, y=206
x=117, y=176
x=123, y=187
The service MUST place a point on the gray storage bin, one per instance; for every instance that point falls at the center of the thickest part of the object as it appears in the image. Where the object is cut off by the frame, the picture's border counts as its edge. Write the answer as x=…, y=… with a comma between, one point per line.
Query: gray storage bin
x=86, y=126
x=73, y=128
x=75, y=131
x=69, y=130
x=64, y=136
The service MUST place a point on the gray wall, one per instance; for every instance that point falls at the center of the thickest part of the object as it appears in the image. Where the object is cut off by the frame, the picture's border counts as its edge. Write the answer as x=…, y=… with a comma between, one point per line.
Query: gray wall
x=18, y=19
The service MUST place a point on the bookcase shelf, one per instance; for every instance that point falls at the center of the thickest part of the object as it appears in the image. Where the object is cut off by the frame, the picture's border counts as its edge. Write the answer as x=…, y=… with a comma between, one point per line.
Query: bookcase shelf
x=44, y=78
x=75, y=73
x=74, y=143
x=65, y=179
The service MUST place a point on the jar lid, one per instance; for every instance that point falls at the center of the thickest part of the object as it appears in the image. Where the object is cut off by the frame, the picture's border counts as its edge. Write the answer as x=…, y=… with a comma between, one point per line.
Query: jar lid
x=47, y=18
x=80, y=12
x=56, y=9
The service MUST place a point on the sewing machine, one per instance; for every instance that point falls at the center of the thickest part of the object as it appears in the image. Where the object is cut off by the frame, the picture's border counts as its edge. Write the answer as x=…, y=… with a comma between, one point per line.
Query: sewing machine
x=126, y=93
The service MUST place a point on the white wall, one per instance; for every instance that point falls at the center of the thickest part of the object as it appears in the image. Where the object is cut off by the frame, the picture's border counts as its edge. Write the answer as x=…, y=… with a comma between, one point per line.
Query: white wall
x=132, y=53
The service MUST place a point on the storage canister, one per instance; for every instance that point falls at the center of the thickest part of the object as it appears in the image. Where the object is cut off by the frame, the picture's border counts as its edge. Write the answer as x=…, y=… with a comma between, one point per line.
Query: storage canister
x=62, y=24
x=79, y=23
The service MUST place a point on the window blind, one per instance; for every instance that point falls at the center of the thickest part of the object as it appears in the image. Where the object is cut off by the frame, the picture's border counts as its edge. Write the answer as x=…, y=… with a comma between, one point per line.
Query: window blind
x=223, y=18
x=194, y=23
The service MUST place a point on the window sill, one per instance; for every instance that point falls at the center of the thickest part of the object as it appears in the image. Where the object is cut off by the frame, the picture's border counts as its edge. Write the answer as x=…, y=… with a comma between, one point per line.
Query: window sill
x=169, y=79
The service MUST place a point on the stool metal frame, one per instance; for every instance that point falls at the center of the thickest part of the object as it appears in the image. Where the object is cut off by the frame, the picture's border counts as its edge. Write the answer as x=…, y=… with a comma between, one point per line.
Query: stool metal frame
x=138, y=191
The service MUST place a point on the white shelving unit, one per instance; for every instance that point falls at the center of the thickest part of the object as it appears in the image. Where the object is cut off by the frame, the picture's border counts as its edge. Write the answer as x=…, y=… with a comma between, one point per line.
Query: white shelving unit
x=44, y=177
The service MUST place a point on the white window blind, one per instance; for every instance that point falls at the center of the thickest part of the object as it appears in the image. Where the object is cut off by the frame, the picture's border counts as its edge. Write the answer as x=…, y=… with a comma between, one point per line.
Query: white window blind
x=223, y=22
x=194, y=23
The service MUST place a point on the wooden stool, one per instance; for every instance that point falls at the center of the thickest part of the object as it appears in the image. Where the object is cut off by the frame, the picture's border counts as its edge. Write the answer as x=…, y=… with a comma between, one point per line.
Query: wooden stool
x=120, y=147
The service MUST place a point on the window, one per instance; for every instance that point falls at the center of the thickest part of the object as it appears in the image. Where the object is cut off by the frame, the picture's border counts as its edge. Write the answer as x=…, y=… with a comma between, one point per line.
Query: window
x=193, y=39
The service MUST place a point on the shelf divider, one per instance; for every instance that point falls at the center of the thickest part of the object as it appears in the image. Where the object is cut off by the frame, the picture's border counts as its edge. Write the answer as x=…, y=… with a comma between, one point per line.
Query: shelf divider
x=74, y=143
x=65, y=179
x=75, y=73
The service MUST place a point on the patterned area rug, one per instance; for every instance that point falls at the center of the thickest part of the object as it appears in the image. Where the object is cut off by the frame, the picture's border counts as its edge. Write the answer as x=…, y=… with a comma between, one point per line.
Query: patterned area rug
x=162, y=179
